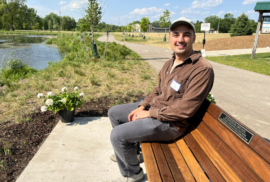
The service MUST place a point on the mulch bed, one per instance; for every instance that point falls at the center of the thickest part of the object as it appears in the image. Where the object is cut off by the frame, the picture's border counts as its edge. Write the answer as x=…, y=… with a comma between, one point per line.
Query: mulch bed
x=238, y=42
x=20, y=142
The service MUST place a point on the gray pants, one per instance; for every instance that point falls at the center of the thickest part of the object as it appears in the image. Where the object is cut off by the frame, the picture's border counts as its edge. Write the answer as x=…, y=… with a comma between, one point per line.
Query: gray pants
x=125, y=134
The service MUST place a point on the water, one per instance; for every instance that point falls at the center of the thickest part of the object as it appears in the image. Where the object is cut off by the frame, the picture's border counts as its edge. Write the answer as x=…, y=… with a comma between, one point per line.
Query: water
x=30, y=49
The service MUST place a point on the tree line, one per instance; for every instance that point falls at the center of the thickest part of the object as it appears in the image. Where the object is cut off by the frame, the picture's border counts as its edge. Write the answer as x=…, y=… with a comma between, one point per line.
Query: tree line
x=14, y=14
x=229, y=24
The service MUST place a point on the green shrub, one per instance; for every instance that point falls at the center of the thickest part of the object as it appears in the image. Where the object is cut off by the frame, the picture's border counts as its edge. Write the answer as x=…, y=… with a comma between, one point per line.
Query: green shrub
x=242, y=26
x=15, y=70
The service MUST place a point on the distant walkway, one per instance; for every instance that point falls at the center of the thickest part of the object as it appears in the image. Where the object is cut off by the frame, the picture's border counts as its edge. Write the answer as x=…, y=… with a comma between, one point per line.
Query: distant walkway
x=243, y=94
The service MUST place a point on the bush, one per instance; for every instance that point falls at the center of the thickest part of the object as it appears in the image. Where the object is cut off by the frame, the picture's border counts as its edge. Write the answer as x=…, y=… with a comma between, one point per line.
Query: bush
x=242, y=26
x=15, y=70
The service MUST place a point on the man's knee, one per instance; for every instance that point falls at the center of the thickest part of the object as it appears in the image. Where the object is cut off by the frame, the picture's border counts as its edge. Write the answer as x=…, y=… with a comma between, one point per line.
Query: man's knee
x=112, y=111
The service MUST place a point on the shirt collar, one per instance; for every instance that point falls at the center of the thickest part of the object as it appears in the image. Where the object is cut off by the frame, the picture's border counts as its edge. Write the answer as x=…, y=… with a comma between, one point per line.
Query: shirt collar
x=194, y=57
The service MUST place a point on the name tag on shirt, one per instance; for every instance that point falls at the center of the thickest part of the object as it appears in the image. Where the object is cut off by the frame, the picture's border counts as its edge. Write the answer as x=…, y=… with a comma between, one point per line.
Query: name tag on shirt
x=175, y=85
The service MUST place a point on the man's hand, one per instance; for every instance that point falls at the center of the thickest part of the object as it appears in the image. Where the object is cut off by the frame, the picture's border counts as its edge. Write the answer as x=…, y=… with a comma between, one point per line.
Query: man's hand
x=140, y=115
x=134, y=112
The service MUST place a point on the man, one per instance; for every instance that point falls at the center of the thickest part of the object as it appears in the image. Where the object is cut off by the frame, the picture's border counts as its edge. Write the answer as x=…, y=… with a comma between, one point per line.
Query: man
x=184, y=82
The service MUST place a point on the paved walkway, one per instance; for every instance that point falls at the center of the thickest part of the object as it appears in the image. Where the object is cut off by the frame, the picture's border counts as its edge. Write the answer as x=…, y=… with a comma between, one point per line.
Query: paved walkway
x=244, y=94
x=76, y=152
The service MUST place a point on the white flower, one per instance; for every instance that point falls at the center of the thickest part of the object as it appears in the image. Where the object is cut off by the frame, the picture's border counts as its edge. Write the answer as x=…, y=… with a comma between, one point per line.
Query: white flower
x=64, y=89
x=49, y=102
x=49, y=94
x=212, y=96
x=76, y=89
x=64, y=101
x=40, y=95
x=82, y=95
x=43, y=108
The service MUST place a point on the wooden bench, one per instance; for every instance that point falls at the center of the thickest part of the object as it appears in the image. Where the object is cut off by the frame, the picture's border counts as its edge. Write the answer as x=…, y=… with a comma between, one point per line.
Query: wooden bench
x=216, y=147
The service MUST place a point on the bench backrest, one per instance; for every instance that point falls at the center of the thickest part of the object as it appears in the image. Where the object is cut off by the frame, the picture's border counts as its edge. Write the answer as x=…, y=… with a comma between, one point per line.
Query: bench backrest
x=226, y=149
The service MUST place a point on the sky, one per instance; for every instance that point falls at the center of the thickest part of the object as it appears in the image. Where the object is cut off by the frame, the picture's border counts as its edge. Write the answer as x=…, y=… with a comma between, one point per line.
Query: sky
x=122, y=12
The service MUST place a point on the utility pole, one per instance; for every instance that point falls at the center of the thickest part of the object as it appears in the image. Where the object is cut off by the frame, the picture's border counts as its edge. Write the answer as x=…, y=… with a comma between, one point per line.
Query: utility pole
x=60, y=21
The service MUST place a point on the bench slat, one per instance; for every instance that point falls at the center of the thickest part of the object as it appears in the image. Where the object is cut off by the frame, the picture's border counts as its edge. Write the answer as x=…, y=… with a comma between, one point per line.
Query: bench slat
x=191, y=162
x=187, y=175
x=258, y=144
x=172, y=164
x=204, y=161
x=162, y=163
x=253, y=160
x=233, y=160
x=153, y=174
x=216, y=159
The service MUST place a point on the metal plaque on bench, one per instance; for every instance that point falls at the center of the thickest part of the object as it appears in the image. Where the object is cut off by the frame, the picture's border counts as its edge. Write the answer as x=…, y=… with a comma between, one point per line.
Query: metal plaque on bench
x=235, y=127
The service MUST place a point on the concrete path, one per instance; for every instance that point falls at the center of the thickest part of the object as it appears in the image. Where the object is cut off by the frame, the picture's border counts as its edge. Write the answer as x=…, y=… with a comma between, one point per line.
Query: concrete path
x=79, y=151
x=243, y=94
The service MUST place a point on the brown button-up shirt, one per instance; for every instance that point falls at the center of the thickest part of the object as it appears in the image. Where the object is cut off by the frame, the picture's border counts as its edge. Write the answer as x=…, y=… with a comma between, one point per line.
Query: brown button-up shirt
x=168, y=102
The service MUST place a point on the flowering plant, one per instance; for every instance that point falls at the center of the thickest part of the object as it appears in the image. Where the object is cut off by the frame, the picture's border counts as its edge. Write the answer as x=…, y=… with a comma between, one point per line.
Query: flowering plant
x=211, y=98
x=63, y=100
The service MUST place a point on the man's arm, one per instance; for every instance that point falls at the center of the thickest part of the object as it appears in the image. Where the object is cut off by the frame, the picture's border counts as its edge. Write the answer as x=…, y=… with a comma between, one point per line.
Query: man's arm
x=184, y=108
x=153, y=94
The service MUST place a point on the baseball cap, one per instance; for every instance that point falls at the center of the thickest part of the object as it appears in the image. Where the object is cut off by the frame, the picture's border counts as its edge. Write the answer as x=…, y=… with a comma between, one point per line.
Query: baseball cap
x=183, y=20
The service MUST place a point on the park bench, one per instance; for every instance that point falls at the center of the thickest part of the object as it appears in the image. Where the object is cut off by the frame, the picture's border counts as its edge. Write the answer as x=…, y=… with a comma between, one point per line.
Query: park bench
x=216, y=147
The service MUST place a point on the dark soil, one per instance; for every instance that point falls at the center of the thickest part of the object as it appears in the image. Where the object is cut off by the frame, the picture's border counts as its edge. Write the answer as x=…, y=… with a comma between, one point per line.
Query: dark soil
x=20, y=142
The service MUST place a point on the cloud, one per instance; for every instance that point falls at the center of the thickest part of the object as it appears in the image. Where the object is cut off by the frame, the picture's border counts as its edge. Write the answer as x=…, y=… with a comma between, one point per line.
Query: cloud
x=176, y=7
x=220, y=13
x=146, y=11
x=173, y=13
x=251, y=12
x=62, y=2
x=206, y=3
x=74, y=5
x=192, y=11
x=168, y=4
x=249, y=1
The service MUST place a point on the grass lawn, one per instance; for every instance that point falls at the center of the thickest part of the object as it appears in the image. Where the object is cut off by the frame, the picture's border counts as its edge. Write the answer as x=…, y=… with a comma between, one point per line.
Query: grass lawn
x=259, y=65
x=156, y=39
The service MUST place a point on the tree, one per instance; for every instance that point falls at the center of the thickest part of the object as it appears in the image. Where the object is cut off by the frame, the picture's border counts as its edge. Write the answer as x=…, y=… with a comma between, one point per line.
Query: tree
x=253, y=25
x=93, y=15
x=198, y=26
x=213, y=20
x=242, y=26
x=226, y=23
x=144, y=24
x=37, y=26
x=156, y=24
x=10, y=9
x=165, y=19
x=50, y=25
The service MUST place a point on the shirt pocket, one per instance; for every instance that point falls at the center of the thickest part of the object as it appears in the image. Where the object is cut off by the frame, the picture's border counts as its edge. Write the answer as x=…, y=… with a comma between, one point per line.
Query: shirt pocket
x=181, y=91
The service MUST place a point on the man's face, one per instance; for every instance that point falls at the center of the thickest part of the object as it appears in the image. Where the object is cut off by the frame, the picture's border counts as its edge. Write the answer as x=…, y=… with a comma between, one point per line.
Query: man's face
x=181, y=39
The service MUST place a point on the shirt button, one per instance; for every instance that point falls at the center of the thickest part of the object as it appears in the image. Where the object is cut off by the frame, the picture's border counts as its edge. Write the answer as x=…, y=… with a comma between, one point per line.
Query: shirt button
x=153, y=100
x=167, y=72
x=166, y=85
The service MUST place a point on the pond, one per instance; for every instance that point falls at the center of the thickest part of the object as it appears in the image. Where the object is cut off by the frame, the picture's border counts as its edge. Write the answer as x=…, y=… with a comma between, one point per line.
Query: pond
x=31, y=49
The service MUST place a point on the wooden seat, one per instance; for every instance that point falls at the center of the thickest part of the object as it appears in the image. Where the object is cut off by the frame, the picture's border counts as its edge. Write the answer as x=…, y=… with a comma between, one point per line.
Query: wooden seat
x=215, y=147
